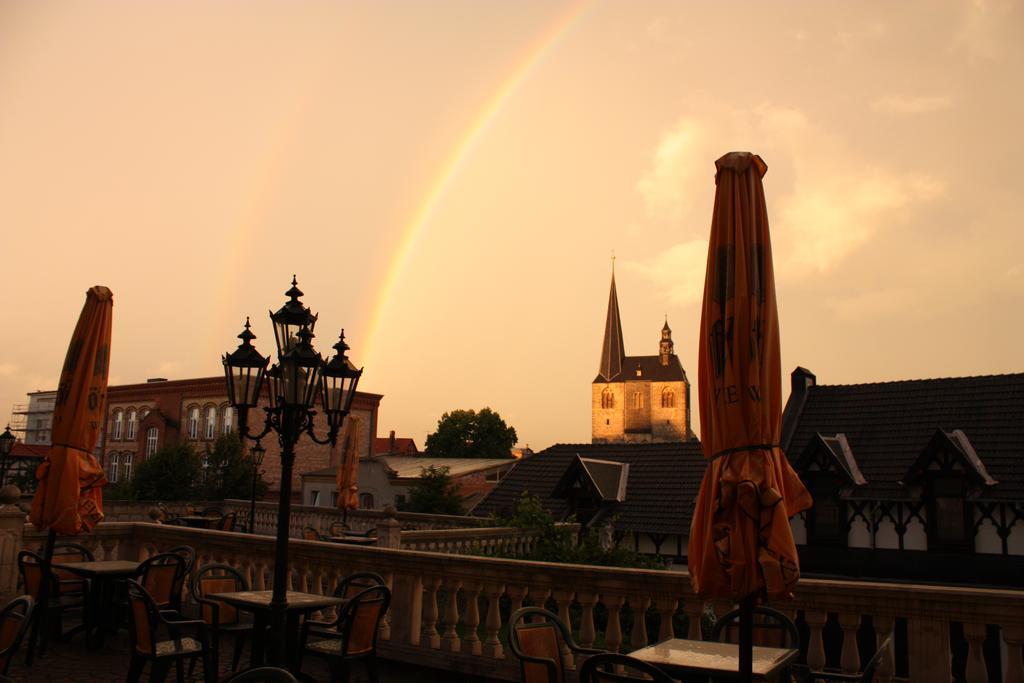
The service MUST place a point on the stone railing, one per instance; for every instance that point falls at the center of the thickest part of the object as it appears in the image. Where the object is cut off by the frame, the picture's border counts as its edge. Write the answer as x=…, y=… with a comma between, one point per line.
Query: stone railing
x=503, y=541
x=321, y=518
x=451, y=611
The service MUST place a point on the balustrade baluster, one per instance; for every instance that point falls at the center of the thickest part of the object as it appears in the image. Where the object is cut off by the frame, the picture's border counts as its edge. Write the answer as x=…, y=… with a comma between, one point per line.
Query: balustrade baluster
x=693, y=609
x=563, y=598
x=815, y=647
x=666, y=607
x=850, y=660
x=452, y=642
x=883, y=629
x=638, y=636
x=586, y=600
x=613, y=632
x=430, y=636
x=471, y=618
x=516, y=595
x=976, y=671
x=384, y=632
x=492, y=623
x=1013, y=636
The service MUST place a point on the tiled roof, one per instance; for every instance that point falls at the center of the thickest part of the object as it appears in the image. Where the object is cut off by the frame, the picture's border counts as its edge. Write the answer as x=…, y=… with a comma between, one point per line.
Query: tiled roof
x=403, y=446
x=650, y=369
x=888, y=425
x=25, y=450
x=663, y=482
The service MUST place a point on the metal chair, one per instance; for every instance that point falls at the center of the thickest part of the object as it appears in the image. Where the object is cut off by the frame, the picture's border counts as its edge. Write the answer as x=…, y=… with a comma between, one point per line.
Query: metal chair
x=347, y=588
x=339, y=529
x=538, y=645
x=311, y=534
x=772, y=628
x=14, y=621
x=263, y=674
x=220, y=617
x=865, y=676
x=30, y=566
x=163, y=577
x=602, y=668
x=355, y=636
x=227, y=522
x=146, y=621
x=66, y=551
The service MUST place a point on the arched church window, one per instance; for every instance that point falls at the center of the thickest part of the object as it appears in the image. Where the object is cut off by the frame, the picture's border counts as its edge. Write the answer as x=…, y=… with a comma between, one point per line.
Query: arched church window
x=607, y=399
x=668, y=399
x=638, y=399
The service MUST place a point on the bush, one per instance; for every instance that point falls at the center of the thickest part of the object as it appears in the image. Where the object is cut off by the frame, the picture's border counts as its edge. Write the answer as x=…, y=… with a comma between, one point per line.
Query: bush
x=435, y=494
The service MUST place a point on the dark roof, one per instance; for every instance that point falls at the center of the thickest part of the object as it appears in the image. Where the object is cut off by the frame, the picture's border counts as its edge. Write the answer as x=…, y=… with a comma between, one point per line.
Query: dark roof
x=663, y=482
x=612, y=349
x=403, y=446
x=888, y=425
x=19, y=449
x=650, y=369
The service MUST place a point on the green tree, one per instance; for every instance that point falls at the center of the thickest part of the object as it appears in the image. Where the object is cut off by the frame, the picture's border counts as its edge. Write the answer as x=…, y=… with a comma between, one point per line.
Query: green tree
x=435, y=494
x=471, y=434
x=168, y=474
x=228, y=472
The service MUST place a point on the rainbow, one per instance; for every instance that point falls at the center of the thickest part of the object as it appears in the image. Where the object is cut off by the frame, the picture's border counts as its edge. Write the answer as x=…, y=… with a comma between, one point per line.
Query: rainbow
x=449, y=170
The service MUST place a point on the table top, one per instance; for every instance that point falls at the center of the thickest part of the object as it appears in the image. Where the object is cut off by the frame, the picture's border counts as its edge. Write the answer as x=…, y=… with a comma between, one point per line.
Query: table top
x=260, y=600
x=700, y=656
x=100, y=567
x=355, y=540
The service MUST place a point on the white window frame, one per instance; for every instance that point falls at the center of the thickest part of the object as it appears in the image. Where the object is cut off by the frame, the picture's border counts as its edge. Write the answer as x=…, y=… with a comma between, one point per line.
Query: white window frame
x=152, y=440
x=126, y=467
x=115, y=461
x=228, y=425
x=133, y=423
x=211, y=422
x=118, y=424
x=193, y=423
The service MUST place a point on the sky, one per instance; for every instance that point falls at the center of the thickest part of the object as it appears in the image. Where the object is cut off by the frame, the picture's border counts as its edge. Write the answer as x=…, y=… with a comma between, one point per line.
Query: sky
x=449, y=180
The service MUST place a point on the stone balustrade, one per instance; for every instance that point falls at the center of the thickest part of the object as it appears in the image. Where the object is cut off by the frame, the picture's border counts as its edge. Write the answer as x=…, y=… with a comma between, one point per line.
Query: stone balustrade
x=503, y=541
x=451, y=611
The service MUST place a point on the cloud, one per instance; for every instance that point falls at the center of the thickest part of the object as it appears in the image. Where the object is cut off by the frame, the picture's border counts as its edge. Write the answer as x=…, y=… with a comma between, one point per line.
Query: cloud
x=826, y=199
x=911, y=104
x=678, y=271
x=7, y=369
x=983, y=28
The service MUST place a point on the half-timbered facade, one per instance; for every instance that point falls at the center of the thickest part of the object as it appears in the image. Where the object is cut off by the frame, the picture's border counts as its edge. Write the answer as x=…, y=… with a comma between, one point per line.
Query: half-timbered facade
x=910, y=477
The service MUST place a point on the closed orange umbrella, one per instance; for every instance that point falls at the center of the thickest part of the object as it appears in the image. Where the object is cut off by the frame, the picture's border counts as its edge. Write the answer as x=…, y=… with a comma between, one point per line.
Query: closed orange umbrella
x=348, y=470
x=741, y=545
x=69, y=499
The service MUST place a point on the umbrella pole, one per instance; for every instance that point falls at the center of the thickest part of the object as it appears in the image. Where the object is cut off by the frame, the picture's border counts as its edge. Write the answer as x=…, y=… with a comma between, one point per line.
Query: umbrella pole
x=747, y=639
x=43, y=608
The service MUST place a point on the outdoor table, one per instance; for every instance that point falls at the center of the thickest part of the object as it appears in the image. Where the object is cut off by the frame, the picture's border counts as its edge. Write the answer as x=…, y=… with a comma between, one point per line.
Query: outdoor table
x=198, y=521
x=258, y=602
x=352, y=539
x=701, y=658
x=103, y=576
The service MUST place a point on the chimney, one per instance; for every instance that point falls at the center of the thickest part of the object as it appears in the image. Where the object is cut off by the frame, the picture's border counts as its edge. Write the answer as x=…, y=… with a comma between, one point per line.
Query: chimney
x=391, y=442
x=801, y=381
x=153, y=380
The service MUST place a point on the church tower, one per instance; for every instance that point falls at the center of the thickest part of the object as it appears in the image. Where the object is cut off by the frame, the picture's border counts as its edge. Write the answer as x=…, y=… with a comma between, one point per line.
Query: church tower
x=638, y=399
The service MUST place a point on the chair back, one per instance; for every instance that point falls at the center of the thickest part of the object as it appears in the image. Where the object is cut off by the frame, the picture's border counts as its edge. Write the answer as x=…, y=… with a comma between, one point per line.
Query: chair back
x=187, y=553
x=310, y=534
x=359, y=620
x=144, y=616
x=217, y=578
x=353, y=584
x=162, y=576
x=615, y=668
x=211, y=512
x=876, y=659
x=263, y=674
x=30, y=566
x=772, y=628
x=339, y=528
x=538, y=644
x=14, y=620
x=227, y=522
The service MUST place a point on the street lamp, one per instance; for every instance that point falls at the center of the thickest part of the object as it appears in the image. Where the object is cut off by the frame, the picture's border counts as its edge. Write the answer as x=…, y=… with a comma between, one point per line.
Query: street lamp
x=6, y=443
x=299, y=377
x=256, y=453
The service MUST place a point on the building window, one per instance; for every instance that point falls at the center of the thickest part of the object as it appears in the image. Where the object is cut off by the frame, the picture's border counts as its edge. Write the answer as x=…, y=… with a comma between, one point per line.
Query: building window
x=229, y=420
x=668, y=399
x=126, y=465
x=115, y=461
x=143, y=413
x=334, y=499
x=118, y=422
x=947, y=514
x=314, y=497
x=211, y=422
x=132, y=424
x=827, y=519
x=366, y=501
x=152, y=434
x=607, y=399
x=193, y=423
x=638, y=399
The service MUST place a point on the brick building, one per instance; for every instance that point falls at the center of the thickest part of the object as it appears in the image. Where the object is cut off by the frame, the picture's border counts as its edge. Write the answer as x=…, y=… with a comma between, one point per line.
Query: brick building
x=638, y=399
x=143, y=417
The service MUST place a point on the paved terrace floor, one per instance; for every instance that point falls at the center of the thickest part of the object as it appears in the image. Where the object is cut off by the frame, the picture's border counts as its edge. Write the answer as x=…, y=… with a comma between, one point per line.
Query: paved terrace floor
x=70, y=662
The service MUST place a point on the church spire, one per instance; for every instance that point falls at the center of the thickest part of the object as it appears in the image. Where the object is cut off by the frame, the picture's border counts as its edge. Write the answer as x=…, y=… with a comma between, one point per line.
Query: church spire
x=612, y=350
x=666, y=348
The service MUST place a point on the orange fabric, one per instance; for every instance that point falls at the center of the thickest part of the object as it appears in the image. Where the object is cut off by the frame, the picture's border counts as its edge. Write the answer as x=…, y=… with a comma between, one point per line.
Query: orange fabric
x=69, y=499
x=347, y=477
x=539, y=641
x=219, y=584
x=740, y=542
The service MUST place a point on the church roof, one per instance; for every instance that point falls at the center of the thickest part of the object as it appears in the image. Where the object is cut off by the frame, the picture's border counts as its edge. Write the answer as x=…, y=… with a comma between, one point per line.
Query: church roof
x=613, y=350
x=660, y=490
x=888, y=425
x=650, y=368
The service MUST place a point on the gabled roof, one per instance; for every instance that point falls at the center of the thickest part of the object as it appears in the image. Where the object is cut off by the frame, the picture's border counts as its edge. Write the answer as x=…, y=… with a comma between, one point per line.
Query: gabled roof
x=20, y=449
x=889, y=424
x=650, y=368
x=839, y=454
x=402, y=446
x=661, y=488
x=606, y=479
x=957, y=444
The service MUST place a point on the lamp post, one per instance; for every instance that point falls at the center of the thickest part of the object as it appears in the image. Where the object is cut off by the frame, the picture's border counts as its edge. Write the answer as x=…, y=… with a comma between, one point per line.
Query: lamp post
x=256, y=454
x=6, y=443
x=299, y=375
